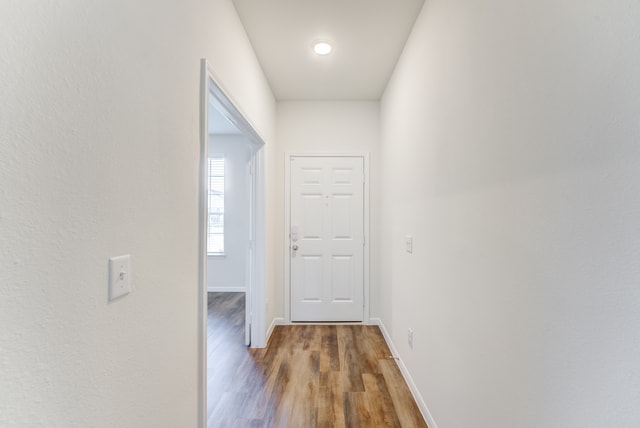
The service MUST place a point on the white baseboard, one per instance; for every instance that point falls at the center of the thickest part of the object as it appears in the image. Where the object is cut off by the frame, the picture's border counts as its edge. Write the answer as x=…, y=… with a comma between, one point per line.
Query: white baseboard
x=426, y=414
x=274, y=323
x=226, y=289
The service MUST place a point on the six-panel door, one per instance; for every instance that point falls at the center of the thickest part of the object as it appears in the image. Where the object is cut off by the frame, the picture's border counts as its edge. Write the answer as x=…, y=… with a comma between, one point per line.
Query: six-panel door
x=327, y=238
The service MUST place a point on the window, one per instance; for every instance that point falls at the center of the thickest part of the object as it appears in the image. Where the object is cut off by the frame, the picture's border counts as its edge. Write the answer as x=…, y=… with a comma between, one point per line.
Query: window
x=215, y=235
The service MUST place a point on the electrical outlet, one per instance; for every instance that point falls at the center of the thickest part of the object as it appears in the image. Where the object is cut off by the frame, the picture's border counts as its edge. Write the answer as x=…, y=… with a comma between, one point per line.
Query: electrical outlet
x=410, y=338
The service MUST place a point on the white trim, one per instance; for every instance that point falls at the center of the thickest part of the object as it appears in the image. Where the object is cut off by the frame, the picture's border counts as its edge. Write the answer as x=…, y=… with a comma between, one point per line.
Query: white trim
x=250, y=269
x=210, y=85
x=287, y=238
x=227, y=289
x=202, y=244
x=426, y=414
x=258, y=293
x=287, y=228
x=274, y=323
x=325, y=323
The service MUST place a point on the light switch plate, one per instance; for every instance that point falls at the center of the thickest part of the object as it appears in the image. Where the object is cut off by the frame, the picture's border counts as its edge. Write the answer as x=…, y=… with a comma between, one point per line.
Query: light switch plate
x=408, y=241
x=119, y=276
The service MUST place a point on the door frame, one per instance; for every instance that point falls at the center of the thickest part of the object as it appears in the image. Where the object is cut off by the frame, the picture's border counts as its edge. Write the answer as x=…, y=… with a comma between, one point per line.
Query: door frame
x=287, y=228
x=256, y=300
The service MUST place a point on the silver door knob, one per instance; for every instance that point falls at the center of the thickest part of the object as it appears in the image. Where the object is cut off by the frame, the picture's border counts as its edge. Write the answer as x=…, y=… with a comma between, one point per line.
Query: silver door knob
x=295, y=247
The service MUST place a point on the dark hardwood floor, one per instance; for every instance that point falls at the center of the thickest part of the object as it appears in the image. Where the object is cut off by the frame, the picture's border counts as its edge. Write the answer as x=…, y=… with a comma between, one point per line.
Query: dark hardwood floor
x=308, y=376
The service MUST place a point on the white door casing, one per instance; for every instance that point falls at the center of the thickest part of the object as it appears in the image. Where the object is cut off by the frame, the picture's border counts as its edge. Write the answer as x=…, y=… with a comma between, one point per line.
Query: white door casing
x=210, y=85
x=250, y=257
x=327, y=237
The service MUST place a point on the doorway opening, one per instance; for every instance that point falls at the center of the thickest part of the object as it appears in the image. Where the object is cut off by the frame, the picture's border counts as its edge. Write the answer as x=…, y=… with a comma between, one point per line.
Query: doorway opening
x=230, y=222
x=231, y=217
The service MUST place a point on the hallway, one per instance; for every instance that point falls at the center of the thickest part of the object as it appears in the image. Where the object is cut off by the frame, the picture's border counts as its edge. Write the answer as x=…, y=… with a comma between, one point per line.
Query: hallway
x=308, y=376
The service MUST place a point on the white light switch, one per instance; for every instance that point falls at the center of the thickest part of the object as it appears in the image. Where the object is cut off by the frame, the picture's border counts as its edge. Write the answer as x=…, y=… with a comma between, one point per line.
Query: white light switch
x=119, y=276
x=408, y=241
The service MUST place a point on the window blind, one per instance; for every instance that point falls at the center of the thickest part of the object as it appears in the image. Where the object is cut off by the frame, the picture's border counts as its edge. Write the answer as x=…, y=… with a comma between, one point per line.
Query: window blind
x=215, y=235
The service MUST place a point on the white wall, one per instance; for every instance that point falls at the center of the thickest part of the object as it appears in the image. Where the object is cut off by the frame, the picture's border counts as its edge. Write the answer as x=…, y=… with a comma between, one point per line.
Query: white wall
x=510, y=147
x=228, y=273
x=99, y=147
x=329, y=127
x=237, y=68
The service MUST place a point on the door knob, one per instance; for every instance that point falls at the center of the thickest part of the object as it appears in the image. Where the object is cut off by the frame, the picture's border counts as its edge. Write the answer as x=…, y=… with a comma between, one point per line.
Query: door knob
x=295, y=247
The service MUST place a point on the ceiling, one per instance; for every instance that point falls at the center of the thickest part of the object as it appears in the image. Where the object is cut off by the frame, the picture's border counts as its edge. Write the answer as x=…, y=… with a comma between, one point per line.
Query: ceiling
x=218, y=124
x=368, y=38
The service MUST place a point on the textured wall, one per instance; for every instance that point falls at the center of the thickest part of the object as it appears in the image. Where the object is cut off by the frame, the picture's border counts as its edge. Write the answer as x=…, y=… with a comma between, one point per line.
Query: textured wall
x=99, y=146
x=510, y=147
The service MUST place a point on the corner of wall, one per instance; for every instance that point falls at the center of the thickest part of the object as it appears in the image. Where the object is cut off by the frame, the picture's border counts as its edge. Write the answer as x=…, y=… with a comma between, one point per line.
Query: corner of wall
x=422, y=405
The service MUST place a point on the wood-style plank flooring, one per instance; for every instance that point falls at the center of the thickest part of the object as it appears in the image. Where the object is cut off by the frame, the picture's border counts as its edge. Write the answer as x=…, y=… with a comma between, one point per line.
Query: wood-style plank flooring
x=308, y=376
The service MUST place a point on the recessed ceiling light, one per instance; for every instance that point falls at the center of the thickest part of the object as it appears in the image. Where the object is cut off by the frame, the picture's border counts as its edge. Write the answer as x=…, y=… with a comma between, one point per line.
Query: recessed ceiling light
x=322, y=48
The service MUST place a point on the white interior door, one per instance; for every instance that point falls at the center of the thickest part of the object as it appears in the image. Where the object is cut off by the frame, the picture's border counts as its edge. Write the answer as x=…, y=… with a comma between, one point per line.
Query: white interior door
x=327, y=238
